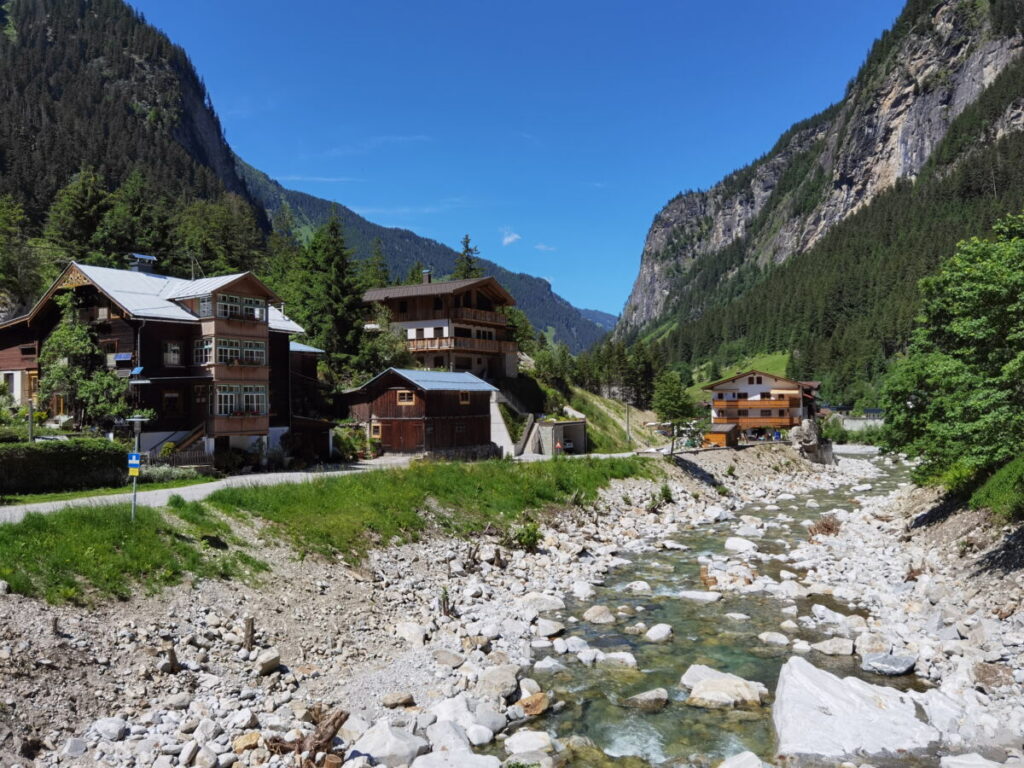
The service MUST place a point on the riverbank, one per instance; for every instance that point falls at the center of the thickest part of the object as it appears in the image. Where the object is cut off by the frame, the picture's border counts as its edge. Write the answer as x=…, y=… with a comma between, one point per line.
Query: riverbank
x=434, y=644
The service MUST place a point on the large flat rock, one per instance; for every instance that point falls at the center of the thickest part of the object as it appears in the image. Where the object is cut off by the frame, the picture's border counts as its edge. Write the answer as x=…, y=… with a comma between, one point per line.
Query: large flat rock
x=817, y=713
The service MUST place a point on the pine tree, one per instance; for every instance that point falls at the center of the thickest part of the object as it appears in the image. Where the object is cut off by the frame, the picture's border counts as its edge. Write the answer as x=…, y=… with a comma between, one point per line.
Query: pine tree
x=373, y=271
x=415, y=273
x=328, y=303
x=466, y=262
x=76, y=213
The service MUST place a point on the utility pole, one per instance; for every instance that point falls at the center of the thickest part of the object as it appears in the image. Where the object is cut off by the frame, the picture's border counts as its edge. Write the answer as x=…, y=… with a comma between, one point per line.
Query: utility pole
x=629, y=434
x=135, y=461
x=31, y=418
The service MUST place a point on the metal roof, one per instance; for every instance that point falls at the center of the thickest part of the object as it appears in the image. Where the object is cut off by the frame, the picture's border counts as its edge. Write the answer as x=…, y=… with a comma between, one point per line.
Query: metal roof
x=144, y=294
x=723, y=428
x=436, y=381
x=751, y=372
x=295, y=346
x=432, y=289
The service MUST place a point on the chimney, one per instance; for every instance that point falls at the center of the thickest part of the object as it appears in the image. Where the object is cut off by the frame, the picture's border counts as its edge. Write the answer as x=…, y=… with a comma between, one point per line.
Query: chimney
x=140, y=262
x=426, y=276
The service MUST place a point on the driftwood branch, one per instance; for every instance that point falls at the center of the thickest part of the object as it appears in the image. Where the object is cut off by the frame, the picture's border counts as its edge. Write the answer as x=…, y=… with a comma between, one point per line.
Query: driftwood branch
x=319, y=740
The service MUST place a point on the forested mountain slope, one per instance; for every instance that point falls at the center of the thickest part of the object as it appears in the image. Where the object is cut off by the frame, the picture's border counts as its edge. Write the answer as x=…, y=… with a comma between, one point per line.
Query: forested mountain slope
x=404, y=249
x=88, y=84
x=817, y=246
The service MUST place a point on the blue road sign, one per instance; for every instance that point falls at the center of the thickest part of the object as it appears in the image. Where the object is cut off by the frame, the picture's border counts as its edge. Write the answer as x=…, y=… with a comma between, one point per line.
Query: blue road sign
x=134, y=460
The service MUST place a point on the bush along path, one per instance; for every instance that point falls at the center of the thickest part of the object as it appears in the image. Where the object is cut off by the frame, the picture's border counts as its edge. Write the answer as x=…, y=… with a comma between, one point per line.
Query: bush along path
x=454, y=625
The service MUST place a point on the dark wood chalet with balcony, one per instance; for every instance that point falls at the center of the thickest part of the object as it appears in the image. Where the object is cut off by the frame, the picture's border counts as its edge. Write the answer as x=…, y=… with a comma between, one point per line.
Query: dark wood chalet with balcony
x=212, y=357
x=756, y=402
x=412, y=411
x=454, y=325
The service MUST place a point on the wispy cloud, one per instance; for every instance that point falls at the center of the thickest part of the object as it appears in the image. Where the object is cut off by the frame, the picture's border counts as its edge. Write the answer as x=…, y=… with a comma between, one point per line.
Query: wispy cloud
x=545, y=247
x=508, y=236
x=447, y=204
x=327, y=179
x=376, y=142
x=598, y=184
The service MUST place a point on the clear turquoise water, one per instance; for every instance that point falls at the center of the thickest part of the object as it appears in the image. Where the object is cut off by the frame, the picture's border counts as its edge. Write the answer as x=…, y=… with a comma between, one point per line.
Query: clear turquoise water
x=702, y=635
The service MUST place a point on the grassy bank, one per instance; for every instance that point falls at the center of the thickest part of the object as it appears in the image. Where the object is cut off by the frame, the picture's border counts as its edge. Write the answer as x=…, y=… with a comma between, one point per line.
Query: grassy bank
x=84, y=552
x=606, y=421
x=1003, y=492
x=348, y=515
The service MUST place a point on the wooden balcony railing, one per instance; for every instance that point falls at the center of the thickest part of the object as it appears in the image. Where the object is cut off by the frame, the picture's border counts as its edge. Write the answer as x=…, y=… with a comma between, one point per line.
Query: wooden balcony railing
x=782, y=402
x=479, y=316
x=465, y=314
x=747, y=422
x=489, y=346
x=241, y=424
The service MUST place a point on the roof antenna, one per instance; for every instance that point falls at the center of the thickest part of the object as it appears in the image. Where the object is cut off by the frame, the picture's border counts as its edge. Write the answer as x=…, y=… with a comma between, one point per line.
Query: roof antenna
x=194, y=264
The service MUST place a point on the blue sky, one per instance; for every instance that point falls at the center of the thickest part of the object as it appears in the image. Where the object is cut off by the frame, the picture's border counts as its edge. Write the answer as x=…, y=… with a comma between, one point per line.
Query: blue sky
x=551, y=132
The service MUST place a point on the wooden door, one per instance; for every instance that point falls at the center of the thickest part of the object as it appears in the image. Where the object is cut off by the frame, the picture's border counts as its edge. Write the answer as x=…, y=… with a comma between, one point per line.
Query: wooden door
x=407, y=436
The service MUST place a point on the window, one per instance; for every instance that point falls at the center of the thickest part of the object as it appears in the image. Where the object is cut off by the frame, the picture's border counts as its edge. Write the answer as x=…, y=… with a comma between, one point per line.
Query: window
x=765, y=412
x=170, y=402
x=9, y=383
x=403, y=307
x=28, y=351
x=172, y=353
x=782, y=413
x=254, y=352
x=227, y=400
x=742, y=412
x=228, y=350
x=758, y=379
x=750, y=380
x=438, y=304
x=206, y=306
x=438, y=333
x=202, y=351
x=254, y=309
x=375, y=430
x=254, y=399
x=200, y=393
x=463, y=333
x=439, y=362
x=110, y=352
x=460, y=428
x=405, y=397
x=228, y=306
x=419, y=333
x=463, y=398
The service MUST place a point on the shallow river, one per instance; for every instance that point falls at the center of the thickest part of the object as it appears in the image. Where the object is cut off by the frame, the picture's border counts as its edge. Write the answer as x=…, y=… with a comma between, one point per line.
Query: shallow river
x=702, y=635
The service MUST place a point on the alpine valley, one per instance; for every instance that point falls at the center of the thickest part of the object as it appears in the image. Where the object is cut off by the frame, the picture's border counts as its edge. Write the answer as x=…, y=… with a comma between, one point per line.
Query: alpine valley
x=815, y=249
x=91, y=85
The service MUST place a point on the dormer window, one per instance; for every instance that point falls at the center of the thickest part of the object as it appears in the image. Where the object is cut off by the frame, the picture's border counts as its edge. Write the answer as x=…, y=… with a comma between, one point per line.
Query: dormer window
x=206, y=306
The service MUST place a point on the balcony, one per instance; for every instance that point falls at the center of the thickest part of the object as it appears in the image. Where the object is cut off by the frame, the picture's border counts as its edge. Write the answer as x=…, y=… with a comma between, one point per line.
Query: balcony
x=456, y=343
x=238, y=371
x=479, y=316
x=781, y=402
x=238, y=424
x=750, y=422
x=465, y=314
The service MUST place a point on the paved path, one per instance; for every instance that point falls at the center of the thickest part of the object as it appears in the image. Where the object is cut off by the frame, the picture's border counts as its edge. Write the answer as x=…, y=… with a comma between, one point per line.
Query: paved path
x=159, y=498
x=499, y=430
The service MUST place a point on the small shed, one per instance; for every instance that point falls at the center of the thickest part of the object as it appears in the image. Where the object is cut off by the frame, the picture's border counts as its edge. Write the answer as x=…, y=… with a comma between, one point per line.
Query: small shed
x=413, y=411
x=561, y=437
x=723, y=435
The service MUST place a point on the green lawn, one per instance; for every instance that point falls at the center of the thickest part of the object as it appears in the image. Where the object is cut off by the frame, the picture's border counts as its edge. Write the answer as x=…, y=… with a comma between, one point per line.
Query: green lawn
x=32, y=498
x=350, y=514
x=81, y=553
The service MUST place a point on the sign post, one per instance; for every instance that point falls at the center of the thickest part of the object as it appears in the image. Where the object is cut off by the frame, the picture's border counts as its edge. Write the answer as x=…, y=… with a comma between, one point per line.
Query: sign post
x=135, y=460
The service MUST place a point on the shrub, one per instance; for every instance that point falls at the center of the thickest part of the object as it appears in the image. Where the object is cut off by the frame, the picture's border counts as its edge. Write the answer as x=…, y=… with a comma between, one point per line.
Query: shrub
x=527, y=536
x=666, y=493
x=61, y=465
x=722, y=490
x=826, y=525
x=167, y=449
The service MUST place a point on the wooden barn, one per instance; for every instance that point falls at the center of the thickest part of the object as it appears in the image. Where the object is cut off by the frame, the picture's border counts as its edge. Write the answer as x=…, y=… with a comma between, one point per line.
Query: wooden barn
x=413, y=411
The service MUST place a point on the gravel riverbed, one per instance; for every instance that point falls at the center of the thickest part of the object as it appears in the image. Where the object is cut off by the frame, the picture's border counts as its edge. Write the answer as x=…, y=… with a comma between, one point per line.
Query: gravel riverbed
x=457, y=653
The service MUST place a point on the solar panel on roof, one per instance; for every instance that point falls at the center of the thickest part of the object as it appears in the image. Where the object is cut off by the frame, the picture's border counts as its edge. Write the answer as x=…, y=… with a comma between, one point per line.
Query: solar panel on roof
x=123, y=357
x=137, y=371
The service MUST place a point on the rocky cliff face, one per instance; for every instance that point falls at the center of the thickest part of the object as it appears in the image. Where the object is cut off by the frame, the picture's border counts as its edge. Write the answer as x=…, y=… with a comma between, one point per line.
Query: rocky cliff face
x=918, y=78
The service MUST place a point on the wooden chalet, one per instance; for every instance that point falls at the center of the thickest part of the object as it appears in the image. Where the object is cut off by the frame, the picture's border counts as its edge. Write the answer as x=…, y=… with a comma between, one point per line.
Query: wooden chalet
x=212, y=357
x=754, y=402
x=454, y=325
x=413, y=411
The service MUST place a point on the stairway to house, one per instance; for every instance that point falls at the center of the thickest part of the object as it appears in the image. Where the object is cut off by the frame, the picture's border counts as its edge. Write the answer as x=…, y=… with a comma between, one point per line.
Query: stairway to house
x=499, y=431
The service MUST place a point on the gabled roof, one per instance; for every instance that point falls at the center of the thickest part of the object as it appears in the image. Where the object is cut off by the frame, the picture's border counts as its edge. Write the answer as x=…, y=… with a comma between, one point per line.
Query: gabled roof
x=434, y=289
x=714, y=384
x=436, y=381
x=151, y=296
